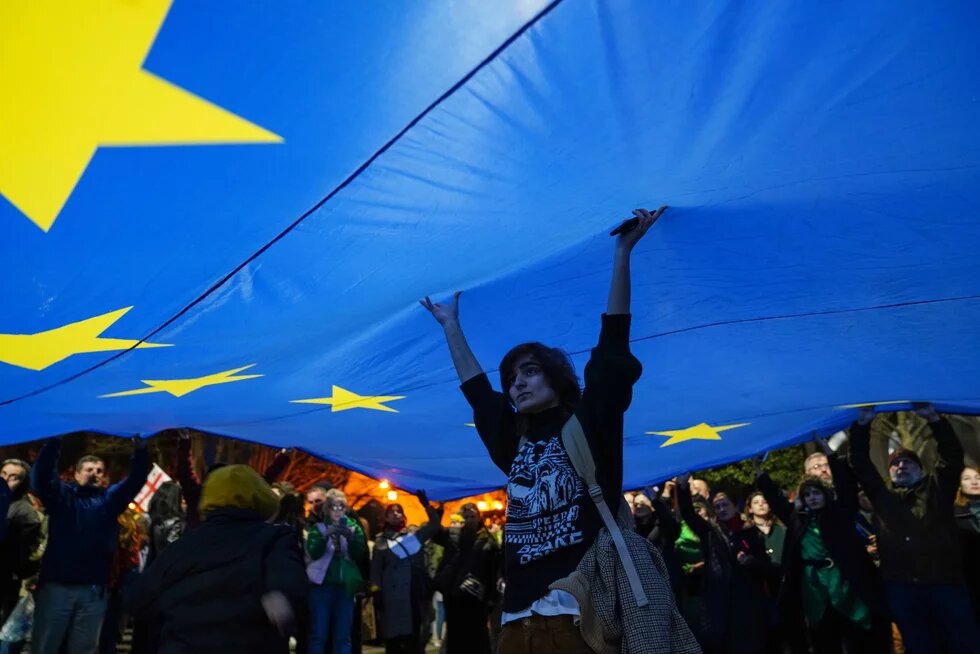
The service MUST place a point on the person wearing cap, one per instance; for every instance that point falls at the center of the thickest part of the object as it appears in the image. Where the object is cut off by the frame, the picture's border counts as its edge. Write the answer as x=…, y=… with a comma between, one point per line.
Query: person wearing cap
x=918, y=543
x=235, y=584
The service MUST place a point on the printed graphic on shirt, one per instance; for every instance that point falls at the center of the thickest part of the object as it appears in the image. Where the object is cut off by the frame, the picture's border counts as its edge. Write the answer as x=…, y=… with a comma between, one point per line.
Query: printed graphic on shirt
x=543, y=494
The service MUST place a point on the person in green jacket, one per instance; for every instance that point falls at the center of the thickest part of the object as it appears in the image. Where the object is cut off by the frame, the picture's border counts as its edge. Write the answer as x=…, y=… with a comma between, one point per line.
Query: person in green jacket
x=335, y=544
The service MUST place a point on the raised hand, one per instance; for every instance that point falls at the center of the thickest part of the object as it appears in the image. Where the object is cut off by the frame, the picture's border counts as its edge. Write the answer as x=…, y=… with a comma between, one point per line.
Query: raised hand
x=684, y=481
x=184, y=433
x=279, y=611
x=443, y=313
x=866, y=414
x=423, y=497
x=757, y=462
x=926, y=411
x=646, y=219
x=822, y=444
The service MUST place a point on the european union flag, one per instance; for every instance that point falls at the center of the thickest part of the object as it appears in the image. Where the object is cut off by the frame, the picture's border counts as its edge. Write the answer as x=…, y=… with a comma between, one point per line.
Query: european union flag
x=222, y=215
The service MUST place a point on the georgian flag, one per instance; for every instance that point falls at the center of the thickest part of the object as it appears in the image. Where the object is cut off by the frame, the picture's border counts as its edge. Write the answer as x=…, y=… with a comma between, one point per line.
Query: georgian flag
x=156, y=477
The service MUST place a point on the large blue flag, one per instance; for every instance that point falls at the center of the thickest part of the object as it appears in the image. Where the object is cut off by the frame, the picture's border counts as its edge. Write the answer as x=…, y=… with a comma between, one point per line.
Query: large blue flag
x=221, y=215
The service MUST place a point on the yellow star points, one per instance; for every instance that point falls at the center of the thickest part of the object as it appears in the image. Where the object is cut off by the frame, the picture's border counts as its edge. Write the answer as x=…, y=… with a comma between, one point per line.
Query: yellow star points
x=43, y=349
x=181, y=387
x=343, y=400
x=71, y=80
x=703, y=432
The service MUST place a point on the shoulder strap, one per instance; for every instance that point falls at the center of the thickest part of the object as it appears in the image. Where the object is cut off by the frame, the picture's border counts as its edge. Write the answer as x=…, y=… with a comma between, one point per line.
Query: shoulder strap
x=573, y=438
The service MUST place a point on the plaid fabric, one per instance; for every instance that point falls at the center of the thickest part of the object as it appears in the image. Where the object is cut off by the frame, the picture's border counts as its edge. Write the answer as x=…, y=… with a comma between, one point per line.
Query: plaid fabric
x=612, y=623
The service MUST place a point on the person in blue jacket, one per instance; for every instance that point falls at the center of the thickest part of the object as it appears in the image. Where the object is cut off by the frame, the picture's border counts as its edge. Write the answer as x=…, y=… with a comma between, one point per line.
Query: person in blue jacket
x=82, y=528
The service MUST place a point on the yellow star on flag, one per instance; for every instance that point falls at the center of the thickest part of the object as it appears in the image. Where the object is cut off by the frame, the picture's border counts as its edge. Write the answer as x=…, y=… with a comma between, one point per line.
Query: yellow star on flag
x=181, y=387
x=343, y=400
x=703, y=432
x=71, y=80
x=43, y=349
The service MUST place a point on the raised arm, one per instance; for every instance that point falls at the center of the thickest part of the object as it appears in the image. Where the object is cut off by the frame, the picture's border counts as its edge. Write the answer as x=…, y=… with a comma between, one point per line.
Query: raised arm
x=619, y=288
x=434, y=514
x=278, y=466
x=860, y=435
x=190, y=485
x=120, y=495
x=777, y=501
x=685, y=504
x=44, y=474
x=447, y=315
x=949, y=464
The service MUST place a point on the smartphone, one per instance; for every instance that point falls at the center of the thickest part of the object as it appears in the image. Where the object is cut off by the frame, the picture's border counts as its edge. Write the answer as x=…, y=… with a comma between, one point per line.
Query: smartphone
x=627, y=225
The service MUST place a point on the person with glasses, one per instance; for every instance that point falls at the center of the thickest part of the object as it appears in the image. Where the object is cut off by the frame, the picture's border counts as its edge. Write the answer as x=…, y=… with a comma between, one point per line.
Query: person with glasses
x=817, y=465
x=335, y=545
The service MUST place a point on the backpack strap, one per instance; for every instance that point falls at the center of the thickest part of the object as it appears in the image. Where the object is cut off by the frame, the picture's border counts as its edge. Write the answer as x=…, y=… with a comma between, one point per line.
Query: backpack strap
x=577, y=447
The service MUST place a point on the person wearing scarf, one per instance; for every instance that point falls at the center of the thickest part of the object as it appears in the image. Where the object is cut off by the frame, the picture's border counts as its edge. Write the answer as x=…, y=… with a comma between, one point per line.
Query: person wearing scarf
x=401, y=580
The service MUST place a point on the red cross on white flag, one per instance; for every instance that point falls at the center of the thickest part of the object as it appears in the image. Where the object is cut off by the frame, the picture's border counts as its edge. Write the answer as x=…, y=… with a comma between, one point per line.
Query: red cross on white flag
x=156, y=477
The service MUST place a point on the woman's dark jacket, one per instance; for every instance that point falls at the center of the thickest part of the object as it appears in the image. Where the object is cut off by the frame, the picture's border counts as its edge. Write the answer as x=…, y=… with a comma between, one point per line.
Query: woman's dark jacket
x=739, y=611
x=970, y=537
x=836, y=523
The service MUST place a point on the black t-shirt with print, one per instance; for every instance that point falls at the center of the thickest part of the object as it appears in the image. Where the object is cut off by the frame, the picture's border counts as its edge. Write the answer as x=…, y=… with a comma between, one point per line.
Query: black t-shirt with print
x=551, y=520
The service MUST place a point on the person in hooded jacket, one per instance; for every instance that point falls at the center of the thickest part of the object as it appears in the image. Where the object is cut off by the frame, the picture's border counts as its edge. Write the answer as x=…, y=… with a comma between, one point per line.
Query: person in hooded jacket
x=234, y=584
x=829, y=577
x=739, y=607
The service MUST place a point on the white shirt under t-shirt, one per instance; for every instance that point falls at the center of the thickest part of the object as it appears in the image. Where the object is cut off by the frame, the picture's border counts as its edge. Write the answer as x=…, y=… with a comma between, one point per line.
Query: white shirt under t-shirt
x=556, y=602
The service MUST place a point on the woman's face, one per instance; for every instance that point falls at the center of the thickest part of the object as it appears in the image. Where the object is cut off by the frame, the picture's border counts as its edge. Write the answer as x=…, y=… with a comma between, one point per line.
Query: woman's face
x=724, y=508
x=336, y=509
x=759, y=506
x=814, y=498
x=970, y=482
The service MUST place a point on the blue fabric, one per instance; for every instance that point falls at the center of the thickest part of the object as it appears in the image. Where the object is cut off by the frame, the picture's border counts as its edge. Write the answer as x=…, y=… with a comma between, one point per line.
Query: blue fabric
x=821, y=161
x=331, y=618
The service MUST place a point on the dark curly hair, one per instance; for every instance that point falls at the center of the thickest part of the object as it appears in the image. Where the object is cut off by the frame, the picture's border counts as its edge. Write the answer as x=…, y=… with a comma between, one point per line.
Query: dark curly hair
x=557, y=368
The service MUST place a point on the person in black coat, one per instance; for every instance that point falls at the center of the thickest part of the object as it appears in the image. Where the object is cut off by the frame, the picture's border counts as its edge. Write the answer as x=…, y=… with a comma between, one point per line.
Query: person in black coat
x=967, y=513
x=842, y=583
x=740, y=611
x=235, y=584
x=467, y=578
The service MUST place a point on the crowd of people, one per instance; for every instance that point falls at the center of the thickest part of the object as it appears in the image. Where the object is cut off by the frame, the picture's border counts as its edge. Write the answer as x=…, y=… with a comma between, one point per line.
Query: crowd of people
x=242, y=562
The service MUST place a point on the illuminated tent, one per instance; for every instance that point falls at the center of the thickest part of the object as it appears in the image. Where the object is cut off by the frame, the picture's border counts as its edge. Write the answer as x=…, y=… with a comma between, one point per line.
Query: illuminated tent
x=212, y=211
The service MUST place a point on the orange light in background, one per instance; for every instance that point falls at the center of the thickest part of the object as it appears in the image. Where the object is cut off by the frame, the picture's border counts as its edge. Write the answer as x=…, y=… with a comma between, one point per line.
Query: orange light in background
x=132, y=506
x=384, y=485
x=392, y=495
x=498, y=506
x=481, y=505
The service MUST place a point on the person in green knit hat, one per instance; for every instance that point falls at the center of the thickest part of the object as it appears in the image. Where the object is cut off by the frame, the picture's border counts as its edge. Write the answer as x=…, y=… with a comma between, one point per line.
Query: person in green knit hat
x=335, y=544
